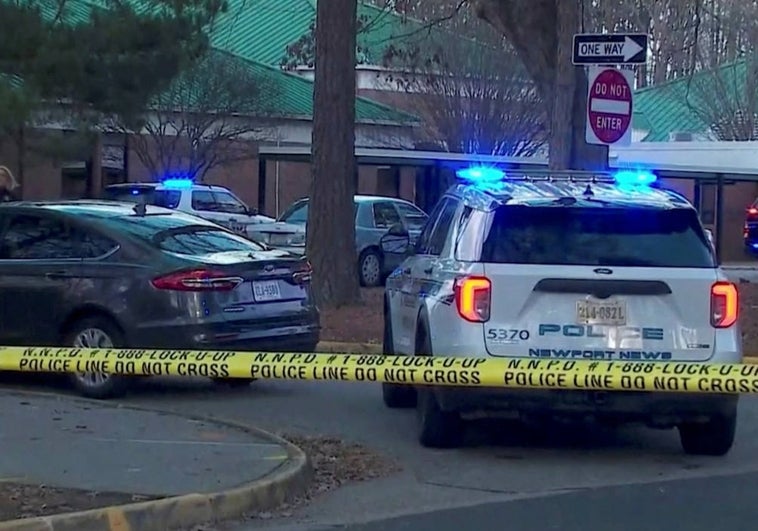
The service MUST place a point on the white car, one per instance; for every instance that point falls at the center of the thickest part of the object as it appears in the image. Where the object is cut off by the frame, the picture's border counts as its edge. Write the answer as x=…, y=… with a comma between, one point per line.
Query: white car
x=214, y=203
x=564, y=267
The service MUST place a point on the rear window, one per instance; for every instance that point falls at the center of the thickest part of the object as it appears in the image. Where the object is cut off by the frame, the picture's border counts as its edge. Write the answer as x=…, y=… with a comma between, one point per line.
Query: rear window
x=182, y=234
x=631, y=237
x=160, y=198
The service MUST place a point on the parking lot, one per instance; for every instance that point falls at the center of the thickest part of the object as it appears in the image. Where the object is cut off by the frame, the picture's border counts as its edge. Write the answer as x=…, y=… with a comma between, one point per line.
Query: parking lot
x=501, y=462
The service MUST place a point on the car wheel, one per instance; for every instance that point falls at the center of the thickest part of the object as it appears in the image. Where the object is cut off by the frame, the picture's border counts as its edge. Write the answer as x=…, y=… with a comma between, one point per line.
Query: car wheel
x=370, y=268
x=396, y=396
x=96, y=332
x=437, y=428
x=714, y=438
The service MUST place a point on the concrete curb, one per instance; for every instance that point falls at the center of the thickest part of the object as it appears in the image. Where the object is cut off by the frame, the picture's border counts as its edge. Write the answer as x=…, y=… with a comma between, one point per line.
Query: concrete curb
x=337, y=347
x=284, y=483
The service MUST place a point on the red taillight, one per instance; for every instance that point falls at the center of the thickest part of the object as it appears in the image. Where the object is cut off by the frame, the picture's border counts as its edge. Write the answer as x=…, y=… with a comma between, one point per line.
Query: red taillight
x=197, y=280
x=724, y=304
x=472, y=298
x=303, y=275
x=752, y=211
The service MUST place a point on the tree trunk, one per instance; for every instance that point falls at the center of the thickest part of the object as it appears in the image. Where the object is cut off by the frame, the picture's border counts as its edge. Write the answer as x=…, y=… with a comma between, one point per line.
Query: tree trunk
x=541, y=32
x=331, y=220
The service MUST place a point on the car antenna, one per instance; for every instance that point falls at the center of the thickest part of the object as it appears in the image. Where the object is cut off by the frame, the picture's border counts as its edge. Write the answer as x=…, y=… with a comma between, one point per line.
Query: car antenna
x=140, y=208
x=588, y=191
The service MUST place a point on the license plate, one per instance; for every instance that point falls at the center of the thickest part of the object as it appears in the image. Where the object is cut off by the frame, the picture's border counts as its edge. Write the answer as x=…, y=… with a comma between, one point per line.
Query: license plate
x=266, y=291
x=612, y=313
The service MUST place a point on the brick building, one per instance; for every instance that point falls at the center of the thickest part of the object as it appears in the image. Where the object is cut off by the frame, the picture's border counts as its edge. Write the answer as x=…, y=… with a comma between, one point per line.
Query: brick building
x=257, y=35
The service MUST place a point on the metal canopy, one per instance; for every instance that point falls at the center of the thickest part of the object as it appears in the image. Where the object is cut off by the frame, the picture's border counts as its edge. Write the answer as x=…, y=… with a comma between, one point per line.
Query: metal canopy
x=400, y=157
x=700, y=174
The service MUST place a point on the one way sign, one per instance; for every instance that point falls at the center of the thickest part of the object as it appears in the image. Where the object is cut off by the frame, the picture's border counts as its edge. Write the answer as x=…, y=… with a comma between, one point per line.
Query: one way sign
x=613, y=49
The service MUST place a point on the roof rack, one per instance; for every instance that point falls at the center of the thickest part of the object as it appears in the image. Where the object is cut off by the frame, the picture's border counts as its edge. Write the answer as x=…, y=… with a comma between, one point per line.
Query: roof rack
x=541, y=174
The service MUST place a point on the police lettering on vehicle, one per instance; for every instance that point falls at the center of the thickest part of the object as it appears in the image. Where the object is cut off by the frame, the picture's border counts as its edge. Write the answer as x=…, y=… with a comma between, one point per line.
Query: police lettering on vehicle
x=620, y=332
x=599, y=354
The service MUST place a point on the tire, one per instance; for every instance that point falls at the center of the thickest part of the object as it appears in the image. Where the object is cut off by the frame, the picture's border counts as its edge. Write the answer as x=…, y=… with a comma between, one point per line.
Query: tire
x=395, y=396
x=437, y=428
x=370, y=268
x=96, y=332
x=713, y=438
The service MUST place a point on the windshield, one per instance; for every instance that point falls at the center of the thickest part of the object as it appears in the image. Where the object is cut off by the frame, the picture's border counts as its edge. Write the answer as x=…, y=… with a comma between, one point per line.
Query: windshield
x=296, y=213
x=597, y=236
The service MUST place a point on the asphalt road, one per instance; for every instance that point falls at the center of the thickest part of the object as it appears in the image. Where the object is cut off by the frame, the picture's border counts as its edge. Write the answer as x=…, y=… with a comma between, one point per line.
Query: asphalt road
x=608, y=473
x=499, y=465
x=705, y=504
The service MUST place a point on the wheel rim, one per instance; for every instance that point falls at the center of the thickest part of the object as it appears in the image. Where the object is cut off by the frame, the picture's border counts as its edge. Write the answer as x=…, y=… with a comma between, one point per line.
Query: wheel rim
x=370, y=268
x=92, y=338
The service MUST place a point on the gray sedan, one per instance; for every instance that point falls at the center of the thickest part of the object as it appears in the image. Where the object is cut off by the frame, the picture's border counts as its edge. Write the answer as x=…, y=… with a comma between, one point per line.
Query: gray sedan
x=374, y=216
x=104, y=274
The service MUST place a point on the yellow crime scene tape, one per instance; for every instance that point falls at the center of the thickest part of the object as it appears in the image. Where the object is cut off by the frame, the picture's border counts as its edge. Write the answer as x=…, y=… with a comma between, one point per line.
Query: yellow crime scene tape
x=523, y=373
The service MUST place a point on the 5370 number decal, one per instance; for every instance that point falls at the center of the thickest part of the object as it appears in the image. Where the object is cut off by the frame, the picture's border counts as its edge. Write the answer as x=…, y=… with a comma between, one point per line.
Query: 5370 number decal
x=507, y=334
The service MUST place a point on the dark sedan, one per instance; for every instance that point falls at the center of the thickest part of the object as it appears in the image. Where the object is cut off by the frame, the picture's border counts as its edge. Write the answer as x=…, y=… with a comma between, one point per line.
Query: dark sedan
x=106, y=274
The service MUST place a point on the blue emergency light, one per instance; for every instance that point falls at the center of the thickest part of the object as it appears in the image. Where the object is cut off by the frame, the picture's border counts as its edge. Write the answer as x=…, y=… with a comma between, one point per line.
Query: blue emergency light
x=628, y=178
x=178, y=184
x=481, y=175
x=488, y=176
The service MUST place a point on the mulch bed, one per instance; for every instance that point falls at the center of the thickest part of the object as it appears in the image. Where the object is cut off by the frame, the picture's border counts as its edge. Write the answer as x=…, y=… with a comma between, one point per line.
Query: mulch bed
x=335, y=463
x=363, y=323
x=19, y=500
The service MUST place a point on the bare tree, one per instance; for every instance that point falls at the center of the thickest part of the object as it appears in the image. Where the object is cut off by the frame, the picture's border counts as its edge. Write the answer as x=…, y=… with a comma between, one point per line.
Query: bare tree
x=207, y=118
x=472, y=98
x=723, y=99
x=721, y=90
x=541, y=33
x=330, y=230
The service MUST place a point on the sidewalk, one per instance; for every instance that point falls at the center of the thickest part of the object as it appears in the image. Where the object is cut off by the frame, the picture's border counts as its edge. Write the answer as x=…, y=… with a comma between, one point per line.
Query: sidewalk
x=66, y=443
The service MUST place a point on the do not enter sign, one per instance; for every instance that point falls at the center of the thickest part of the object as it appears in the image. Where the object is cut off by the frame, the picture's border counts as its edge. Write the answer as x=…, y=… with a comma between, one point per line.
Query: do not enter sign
x=609, y=106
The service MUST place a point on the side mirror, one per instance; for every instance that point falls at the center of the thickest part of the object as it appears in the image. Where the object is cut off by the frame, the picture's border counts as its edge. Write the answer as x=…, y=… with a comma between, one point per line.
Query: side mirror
x=252, y=211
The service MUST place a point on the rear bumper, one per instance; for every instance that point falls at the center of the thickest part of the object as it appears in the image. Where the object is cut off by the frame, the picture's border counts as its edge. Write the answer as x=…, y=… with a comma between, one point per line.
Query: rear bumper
x=655, y=409
x=294, y=338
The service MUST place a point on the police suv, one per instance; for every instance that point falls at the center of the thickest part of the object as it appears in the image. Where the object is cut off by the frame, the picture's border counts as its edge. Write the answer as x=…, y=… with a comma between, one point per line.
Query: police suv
x=214, y=203
x=564, y=266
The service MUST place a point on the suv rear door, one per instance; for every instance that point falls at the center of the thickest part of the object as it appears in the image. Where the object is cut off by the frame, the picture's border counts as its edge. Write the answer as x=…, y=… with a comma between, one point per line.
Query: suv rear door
x=599, y=282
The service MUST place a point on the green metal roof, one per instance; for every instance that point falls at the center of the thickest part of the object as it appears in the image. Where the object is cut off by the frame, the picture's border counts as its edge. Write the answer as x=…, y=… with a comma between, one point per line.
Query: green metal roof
x=682, y=105
x=260, y=30
x=289, y=95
